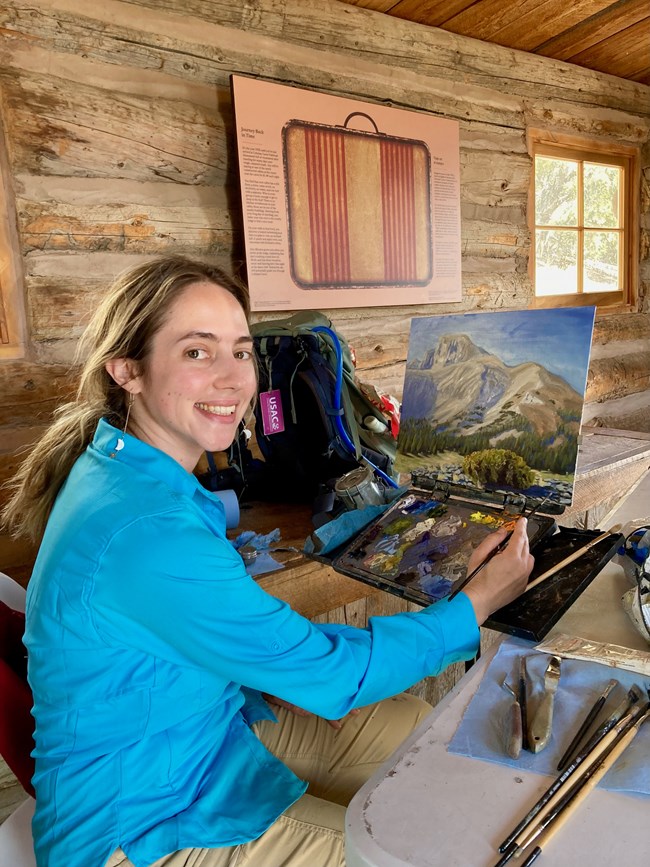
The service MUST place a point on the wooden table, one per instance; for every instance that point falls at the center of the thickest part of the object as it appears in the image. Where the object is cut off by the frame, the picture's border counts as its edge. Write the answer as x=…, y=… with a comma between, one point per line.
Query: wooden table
x=311, y=588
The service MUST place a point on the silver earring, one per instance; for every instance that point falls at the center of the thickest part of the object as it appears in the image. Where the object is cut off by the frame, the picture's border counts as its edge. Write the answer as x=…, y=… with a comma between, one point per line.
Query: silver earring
x=119, y=445
x=245, y=426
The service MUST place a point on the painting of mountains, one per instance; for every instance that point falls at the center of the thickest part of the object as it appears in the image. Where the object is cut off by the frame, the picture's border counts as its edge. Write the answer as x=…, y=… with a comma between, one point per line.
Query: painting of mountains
x=494, y=400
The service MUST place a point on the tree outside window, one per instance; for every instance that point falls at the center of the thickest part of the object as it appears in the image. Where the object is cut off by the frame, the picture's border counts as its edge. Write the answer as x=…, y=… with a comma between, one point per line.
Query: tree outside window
x=583, y=230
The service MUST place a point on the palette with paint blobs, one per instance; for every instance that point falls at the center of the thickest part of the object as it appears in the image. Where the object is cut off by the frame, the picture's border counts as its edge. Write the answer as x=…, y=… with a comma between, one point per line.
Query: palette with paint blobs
x=419, y=548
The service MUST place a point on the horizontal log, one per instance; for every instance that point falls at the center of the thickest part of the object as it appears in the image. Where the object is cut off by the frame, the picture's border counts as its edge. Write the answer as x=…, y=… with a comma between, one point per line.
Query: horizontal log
x=30, y=391
x=614, y=377
x=623, y=326
x=137, y=72
x=587, y=120
x=58, y=309
x=405, y=44
x=501, y=182
x=85, y=130
x=477, y=136
x=509, y=214
x=631, y=412
x=619, y=348
x=126, y=228
x=76, y=266
x=512, y=170
x=216, y=49
x=65, y=301
x=429, y=60
x=52, y=190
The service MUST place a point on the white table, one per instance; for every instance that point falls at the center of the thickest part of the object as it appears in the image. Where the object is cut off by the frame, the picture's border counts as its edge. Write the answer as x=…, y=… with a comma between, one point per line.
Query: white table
x=428, y=807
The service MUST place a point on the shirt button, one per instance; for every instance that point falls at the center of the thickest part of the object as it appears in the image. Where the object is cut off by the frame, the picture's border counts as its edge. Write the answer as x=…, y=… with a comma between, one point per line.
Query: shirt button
x=275, y=645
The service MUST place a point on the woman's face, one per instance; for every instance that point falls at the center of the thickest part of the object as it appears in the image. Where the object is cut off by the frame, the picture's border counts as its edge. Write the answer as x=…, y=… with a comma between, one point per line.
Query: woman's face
x=199, y=377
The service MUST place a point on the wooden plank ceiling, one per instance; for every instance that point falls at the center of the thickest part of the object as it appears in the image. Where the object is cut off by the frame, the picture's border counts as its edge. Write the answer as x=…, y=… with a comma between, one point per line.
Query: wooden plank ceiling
x=605, y=36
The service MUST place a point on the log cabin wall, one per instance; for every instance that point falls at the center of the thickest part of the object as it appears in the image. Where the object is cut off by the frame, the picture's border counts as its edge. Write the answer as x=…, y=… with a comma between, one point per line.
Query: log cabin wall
x=118, y=125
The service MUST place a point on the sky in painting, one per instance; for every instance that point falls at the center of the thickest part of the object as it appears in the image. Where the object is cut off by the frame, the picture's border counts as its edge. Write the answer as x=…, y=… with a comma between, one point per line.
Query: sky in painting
x=558, y=339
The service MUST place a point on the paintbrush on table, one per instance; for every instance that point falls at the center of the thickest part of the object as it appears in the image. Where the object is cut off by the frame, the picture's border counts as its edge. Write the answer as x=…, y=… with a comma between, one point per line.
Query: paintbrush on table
x=567, y=807
x=568, y=785
x=523, y=701
x=633, y=696
x=494, y=551
x=571, y=557
x=584, y=727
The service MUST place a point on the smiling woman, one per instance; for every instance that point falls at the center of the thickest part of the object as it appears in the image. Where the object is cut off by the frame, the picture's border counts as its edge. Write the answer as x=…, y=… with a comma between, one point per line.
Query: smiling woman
x=154, y=658
x=199, y=377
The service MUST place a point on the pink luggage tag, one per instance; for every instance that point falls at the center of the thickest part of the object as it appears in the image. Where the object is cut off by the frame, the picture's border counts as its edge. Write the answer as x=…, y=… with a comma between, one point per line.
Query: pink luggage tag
x=272, y=415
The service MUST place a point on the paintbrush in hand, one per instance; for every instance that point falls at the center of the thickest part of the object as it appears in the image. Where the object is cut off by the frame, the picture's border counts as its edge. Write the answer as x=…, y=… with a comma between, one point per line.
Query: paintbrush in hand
x=497, y=550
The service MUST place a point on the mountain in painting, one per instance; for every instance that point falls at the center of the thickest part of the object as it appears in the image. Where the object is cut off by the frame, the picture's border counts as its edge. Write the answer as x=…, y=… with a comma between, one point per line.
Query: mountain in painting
x=462, y=389
x=460, y=400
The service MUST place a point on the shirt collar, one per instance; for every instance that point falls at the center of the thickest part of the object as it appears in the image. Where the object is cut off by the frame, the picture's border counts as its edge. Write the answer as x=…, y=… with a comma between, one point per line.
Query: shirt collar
x=147, y=459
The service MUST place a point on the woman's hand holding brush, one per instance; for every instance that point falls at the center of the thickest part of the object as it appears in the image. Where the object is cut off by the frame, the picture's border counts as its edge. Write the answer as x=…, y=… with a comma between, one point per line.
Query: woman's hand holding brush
x=504, y=574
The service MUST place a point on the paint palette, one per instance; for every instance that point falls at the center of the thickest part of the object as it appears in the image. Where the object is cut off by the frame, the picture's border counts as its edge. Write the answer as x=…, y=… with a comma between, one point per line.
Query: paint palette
x=420, y=547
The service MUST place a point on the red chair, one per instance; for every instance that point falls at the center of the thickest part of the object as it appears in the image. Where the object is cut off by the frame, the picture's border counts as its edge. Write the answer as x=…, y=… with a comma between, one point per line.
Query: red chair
x=16, y=724
x=16, y=721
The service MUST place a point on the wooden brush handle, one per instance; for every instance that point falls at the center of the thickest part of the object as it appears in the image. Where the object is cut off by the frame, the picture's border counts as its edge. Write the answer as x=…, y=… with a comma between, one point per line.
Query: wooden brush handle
x=531, y=830
x=574, y=556
x=586, y=788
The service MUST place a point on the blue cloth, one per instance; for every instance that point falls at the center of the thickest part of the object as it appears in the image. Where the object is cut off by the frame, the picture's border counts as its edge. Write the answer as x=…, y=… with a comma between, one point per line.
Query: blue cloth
x=264, y=562
x=482, y=731
x=343, y=528
x=142, y=627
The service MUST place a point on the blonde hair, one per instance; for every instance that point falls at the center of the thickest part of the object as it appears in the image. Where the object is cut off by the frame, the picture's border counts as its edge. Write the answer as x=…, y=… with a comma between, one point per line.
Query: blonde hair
x=123, y=326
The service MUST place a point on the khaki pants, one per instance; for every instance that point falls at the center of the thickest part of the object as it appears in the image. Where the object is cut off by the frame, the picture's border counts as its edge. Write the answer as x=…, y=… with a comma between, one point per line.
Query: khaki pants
x=335, y=763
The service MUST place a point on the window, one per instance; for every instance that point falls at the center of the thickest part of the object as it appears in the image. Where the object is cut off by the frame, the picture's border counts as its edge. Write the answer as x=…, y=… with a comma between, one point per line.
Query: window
x=584, y=231
x=12, y=313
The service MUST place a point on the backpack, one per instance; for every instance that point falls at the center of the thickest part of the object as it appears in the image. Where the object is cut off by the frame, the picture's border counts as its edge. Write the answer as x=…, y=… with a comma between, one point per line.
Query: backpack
x=312, y=421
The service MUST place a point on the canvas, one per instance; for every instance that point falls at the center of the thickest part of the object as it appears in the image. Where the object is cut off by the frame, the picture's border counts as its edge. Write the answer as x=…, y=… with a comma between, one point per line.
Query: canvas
x=493, y=401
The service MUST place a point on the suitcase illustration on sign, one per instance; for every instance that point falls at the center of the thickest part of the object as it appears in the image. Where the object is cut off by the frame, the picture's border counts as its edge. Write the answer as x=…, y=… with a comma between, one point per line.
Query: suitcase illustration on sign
x=359, y=206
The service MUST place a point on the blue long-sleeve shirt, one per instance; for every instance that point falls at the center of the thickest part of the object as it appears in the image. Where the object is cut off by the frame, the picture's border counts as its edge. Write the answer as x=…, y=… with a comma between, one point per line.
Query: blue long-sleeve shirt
x=147, y=642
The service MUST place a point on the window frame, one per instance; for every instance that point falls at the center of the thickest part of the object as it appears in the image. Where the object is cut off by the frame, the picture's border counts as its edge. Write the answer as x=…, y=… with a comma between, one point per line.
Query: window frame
x=543, y=143
x=12, y=297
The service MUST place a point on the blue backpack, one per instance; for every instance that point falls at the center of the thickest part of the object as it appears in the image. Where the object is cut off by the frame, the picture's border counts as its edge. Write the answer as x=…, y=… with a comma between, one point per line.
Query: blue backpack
x=312, y=421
